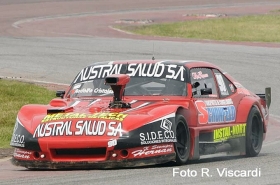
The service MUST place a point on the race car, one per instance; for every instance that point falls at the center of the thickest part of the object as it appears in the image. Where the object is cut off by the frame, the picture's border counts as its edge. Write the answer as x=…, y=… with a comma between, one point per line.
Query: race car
x=141, y=112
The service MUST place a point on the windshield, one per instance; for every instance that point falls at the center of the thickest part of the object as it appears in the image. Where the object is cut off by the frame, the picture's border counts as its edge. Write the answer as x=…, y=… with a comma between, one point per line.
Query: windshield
x=145, y=80
x=137, y=86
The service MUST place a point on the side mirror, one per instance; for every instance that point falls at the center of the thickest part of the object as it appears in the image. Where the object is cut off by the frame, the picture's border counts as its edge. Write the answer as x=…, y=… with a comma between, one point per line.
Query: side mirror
x=206, y=91
x=60, y=94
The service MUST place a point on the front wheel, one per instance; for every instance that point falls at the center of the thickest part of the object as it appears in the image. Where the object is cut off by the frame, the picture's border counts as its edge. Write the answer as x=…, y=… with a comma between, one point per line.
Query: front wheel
x=254, y=133
x=182, y=146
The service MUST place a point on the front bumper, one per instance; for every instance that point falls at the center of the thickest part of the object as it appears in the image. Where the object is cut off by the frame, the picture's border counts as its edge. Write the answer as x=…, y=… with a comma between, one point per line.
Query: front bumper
x=125, y=163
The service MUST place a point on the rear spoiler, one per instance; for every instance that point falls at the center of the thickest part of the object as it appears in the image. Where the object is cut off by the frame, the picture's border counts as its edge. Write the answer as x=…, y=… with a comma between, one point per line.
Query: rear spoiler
x=266, y=96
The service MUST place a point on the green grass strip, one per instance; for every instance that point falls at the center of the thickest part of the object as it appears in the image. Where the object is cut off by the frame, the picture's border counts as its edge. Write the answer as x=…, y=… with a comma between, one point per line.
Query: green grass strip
x=256, y=28
x=14, y=95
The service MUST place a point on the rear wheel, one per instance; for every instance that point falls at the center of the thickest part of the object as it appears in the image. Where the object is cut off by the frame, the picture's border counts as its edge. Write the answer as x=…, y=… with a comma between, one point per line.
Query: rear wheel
x=254, y=133
x=182, y=146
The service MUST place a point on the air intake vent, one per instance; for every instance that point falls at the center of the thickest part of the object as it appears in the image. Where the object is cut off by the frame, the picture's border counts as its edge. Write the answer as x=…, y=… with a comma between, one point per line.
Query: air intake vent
x=79, y=152
x=111, y=80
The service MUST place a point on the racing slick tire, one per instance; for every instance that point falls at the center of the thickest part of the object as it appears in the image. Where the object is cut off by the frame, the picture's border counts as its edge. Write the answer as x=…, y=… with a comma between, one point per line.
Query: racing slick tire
x=254, y=133
x=182, y=146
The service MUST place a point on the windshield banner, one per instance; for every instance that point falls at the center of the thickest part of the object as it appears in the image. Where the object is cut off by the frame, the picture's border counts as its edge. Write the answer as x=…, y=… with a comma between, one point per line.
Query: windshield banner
x=158, y=70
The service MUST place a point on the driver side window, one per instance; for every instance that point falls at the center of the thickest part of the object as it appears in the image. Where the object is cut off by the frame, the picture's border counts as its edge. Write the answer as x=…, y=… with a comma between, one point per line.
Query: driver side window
x=203, y=83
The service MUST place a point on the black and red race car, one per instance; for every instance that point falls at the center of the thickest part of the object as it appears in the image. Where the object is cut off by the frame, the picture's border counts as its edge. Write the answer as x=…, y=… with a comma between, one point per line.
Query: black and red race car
x=135, y=113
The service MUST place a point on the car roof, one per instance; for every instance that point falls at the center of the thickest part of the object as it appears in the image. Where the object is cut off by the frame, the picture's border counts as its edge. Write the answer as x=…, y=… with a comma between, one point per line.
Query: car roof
x=187, y=63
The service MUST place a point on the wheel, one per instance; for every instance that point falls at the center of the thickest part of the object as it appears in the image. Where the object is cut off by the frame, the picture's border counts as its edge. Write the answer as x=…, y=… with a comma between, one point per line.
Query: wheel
x=182, y=146
x=254, y=133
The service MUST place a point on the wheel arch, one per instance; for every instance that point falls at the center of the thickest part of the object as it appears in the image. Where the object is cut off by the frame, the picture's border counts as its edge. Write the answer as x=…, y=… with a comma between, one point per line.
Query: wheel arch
x=244, y=108
x=194, y=141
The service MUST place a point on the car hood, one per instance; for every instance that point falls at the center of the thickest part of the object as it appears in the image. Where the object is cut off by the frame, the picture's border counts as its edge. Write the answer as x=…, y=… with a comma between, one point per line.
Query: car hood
x=92, y=117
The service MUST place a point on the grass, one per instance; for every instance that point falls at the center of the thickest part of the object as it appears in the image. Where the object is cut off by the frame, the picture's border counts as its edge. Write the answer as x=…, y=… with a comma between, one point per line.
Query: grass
x=257, y=28
x=14, y=95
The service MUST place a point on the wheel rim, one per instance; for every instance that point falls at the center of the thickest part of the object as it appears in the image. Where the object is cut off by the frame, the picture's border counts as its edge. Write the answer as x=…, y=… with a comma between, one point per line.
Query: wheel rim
x=255, y=137
x=181, y=144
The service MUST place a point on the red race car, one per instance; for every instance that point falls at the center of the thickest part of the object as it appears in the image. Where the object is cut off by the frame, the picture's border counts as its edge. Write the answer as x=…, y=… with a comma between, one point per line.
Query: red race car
x=135, y=113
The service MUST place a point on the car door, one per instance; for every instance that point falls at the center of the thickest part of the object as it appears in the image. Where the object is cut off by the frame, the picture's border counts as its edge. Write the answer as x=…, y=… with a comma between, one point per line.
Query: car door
x=211, y=97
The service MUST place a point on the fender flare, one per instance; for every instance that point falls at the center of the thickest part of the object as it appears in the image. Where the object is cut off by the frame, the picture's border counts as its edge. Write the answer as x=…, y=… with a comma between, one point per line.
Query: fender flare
x=244, y=108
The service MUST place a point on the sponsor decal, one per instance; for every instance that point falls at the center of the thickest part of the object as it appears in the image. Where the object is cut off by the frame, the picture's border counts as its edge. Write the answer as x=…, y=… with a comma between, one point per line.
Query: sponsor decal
x=103, y=91
x=170, y=71
x=153, y=150
x=22, y=154
x=165, y=136
x=17, y=140
x=199, y=75
x=78, y=128
x=77, y=86
x=112, y=142
x=84, y=90
x=221, y=84
x=218, y=102
x=104, y=115
x=98, y=71
x=215, y=111
x=226, y=133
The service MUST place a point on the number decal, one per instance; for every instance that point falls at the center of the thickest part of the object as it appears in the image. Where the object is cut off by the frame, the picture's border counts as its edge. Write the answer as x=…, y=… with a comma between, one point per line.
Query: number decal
x=221, y=84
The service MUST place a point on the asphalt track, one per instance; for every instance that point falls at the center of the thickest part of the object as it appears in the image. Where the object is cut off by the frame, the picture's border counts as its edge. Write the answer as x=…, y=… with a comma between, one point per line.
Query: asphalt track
x=52, y=40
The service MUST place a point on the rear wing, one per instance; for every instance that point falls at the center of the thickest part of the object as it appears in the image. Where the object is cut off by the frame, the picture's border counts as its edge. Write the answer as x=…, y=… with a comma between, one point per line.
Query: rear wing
x=267, y=96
